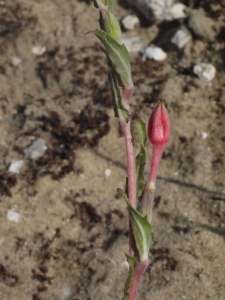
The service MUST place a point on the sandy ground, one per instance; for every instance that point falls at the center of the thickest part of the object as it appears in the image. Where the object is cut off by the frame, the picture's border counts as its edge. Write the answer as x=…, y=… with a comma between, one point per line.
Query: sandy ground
x=68, y=237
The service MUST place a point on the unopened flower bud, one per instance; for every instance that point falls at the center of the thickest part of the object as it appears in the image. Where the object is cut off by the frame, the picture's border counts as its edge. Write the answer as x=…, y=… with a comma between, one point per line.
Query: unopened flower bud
x=158, y=134
x=159, y=125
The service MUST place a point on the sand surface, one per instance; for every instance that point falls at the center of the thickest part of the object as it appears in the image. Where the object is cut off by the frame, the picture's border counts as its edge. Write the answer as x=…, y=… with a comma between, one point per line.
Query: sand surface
x=68, y=234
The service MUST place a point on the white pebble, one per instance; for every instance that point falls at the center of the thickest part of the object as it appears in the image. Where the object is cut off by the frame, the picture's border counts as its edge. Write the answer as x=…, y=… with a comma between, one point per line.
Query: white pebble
x=129, y=22
x=38, y=50
x=177, y=11
x=204, y=135
x=13, y=216
x=153, y=10
x=16, y=61
x=155, y=53
x=180, y=38
x=16, y=166
x=36, y=150
x=206, y=72
x=107, y=172
x=132, y=43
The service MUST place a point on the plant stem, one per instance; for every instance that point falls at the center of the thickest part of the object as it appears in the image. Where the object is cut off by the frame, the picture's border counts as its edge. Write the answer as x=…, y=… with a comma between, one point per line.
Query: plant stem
x=156, y=156
x=138, y=272
x=150, y=189
x=131, y=175
x=131, y=165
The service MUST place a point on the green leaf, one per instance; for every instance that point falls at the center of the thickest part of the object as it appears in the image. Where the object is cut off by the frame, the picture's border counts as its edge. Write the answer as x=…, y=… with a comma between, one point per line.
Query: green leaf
x=141, y=129
x=123, y=194
x=140, y=167
x=141, y=157
x=112, y=27
x=118, y=55
x=142, y=231
x=119, y=110
x=111, y=6
x=131, y=261
x=141, y=228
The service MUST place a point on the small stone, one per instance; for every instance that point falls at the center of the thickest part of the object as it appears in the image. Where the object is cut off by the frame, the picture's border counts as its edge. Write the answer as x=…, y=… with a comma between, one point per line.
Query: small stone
x=38, y=50
x=205, y=72
x=177, y=11
x=155, y=53
x=129, y=22
x=16, y=61
x=107, y=172
x=133, y=44
x=204, y=135
x=13, y=216
x=36, y=150
x=16, y=166
x=153, y=10
x=180, y=38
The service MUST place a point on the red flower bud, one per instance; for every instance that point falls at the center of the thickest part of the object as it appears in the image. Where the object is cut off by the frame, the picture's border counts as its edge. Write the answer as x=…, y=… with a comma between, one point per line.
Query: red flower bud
x=159, y=125
x=158, y=134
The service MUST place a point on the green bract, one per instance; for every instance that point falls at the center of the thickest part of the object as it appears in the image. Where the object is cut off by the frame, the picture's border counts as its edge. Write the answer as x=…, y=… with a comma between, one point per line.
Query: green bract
x=112, y=27
x=131, y=261
x=141, y=157
x=141, y=228
x=120, y=111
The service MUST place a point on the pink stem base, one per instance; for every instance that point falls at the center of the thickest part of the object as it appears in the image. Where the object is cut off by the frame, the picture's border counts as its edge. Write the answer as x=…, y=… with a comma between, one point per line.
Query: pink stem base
x=138, y=272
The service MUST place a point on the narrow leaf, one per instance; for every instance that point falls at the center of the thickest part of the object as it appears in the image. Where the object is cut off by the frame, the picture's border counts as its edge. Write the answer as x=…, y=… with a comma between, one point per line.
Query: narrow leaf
x=112, y=27
x=119, y=110
x=118, y=55
x=141, y=157
x=140, y=167
x=131, y=261
x=123, y=194
x=141, y=129
x=111, y=6
x=142, y=231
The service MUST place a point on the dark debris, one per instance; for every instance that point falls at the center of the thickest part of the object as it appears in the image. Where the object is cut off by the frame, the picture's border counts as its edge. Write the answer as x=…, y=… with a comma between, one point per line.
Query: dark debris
x=7, y=277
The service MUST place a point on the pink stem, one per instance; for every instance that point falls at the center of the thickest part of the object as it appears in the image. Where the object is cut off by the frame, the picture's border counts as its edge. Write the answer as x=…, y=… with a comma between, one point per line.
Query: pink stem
x=149, y=194
x=156, y=156
x=131, y=174
x=131, y=165
x=138, y=272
